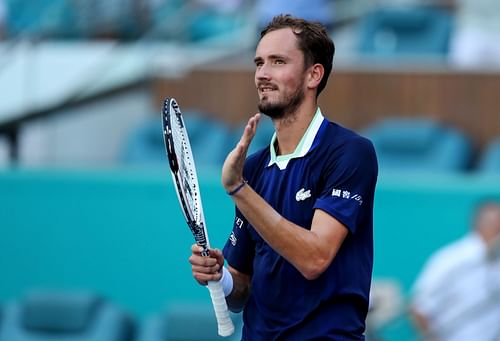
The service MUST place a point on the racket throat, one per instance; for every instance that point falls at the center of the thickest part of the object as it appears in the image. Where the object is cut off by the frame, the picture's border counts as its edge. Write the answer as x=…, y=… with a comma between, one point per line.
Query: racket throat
x=198, y=231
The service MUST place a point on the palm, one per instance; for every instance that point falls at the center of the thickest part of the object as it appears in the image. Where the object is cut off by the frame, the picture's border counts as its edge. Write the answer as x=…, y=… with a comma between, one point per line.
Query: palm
x=232, y=170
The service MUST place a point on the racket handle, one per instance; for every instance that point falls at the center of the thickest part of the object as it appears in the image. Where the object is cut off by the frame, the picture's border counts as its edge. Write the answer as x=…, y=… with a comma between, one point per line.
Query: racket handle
x=224, y=324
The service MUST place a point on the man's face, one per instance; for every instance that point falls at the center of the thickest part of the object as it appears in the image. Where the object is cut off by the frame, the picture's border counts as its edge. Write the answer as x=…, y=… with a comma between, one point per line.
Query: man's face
x=279, y=74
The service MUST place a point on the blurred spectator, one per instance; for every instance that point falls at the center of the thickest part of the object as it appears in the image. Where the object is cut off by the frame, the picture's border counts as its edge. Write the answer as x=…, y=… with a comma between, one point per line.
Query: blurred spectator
x=457, y=295
x=477, y=34
x=314, y=10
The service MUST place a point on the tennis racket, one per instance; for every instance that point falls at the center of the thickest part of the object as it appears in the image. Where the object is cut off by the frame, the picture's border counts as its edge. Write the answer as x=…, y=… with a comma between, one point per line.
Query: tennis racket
x=183, y=171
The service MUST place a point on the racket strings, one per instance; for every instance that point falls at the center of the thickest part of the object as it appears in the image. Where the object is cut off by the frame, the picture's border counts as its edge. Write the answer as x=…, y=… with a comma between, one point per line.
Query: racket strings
x=185, y=177
x=186, y=167
x=189, y=184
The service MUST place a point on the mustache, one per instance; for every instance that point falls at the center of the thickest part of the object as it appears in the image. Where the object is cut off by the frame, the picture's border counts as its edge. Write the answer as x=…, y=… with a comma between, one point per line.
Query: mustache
x=261, y=85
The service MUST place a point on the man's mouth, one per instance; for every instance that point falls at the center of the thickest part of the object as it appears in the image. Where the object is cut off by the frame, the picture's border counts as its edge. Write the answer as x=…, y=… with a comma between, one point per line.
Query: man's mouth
x=266, y=88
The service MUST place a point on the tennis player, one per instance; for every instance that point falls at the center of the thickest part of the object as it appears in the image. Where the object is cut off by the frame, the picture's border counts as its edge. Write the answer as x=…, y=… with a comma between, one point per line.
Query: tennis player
x=301, y=251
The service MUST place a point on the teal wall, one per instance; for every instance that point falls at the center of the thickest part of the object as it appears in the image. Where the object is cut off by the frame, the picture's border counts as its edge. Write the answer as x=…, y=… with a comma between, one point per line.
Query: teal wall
x=121, y=232
x=416, y=214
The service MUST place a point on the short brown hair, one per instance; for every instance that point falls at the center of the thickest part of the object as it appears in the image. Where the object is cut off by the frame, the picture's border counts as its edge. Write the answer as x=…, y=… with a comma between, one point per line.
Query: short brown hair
x=313, y=40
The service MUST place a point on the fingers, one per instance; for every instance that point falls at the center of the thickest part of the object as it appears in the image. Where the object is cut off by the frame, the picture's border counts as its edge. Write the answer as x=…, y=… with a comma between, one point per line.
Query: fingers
x=249, y=132
x=196, y=249
x=206, y=268
x=217, y=254
x=232, y=170
x=254, y=121
x=202, y=277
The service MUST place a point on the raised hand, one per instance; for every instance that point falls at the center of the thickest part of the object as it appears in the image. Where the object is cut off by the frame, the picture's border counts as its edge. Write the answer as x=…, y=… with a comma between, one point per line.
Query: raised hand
x=232, y=171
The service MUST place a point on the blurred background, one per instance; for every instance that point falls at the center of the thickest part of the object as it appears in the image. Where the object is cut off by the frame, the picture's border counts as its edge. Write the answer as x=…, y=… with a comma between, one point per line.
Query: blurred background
x=93, y=245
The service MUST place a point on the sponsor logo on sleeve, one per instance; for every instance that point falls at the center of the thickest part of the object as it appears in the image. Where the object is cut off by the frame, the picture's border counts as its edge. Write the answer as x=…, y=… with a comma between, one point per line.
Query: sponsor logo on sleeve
x=344, y=194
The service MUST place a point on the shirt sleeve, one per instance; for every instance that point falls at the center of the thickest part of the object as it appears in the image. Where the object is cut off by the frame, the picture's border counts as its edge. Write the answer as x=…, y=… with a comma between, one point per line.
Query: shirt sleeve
x=349, y=183
x=240, y=247
x=432, y=289
x=422, y=294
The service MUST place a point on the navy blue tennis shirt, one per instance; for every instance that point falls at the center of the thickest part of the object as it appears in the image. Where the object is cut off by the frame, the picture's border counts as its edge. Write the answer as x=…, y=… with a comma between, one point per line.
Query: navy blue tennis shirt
x=332, y=169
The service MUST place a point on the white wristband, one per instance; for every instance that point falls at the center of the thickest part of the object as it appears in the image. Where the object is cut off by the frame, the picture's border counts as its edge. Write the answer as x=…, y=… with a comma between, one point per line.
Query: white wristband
x=226, y=281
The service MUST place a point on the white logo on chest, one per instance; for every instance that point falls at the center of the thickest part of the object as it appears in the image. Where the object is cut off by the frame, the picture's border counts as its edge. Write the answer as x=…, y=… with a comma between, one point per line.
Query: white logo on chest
x=302, y=194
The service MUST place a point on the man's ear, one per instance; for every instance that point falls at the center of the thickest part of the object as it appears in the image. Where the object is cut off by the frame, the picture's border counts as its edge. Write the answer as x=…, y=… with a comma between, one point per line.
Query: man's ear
x=315, y=75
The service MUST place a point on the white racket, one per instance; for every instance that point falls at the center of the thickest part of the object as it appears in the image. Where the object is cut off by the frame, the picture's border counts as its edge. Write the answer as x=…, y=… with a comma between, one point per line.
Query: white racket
x=183, y=171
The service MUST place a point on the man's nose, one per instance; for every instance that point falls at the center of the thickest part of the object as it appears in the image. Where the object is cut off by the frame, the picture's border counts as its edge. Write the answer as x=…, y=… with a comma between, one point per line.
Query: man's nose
x=262, y=72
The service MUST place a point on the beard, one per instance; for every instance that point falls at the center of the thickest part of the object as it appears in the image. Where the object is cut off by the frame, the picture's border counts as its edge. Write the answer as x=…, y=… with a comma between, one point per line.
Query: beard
x=283, y=107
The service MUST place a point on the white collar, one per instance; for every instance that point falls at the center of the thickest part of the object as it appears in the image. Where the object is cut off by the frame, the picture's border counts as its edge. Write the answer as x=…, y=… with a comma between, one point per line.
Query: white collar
x=302, y=148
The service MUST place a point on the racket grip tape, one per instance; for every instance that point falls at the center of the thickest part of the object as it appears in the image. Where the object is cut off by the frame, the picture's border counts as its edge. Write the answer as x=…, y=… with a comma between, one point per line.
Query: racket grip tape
x=224, y=324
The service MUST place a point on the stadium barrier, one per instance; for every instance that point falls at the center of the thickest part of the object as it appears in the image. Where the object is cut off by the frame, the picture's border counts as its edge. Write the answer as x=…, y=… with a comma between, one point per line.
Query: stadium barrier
x=121, y=233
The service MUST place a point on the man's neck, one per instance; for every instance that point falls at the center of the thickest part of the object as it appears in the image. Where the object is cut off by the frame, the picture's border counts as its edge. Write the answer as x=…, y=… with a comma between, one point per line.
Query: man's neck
x=291, y=129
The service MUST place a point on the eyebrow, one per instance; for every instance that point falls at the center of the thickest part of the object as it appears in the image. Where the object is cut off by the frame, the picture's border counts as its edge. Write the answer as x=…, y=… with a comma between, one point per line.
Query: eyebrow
x=273, y=57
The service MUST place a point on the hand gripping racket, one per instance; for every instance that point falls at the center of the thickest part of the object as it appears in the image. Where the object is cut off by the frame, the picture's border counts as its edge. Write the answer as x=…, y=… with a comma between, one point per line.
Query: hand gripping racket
x=183, y=171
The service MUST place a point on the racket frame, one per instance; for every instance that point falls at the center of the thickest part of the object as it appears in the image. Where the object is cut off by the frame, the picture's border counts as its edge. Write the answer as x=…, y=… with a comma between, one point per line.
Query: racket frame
x=195, y=220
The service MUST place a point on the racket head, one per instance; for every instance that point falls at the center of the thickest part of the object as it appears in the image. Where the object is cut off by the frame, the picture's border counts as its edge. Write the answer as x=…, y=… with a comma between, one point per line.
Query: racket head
x=183, y=169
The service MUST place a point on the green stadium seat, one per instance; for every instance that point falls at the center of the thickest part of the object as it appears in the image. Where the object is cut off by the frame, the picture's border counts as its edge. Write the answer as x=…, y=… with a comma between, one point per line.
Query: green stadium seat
x=187, y=322
x=490, y=160
x=209, y=24
x=411, y=31
x=65, y=316
x=41, y=19
x=419, y=144
x=210, y=141
x=144, y=144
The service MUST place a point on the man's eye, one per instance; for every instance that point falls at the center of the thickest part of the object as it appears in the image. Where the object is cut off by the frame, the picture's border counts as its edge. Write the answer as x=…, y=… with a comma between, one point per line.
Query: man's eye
x=279, y=61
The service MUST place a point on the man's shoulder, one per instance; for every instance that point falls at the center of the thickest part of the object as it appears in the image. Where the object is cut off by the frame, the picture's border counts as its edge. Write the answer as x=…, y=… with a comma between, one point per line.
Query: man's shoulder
x=337, y=135
x=345, y=146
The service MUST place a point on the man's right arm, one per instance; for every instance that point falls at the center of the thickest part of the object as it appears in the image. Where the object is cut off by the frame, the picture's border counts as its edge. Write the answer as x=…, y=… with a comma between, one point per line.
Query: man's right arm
x=238, y=297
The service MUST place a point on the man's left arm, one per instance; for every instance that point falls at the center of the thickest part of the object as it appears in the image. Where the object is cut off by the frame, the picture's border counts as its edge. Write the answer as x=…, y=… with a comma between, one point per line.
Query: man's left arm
x=310, y=250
